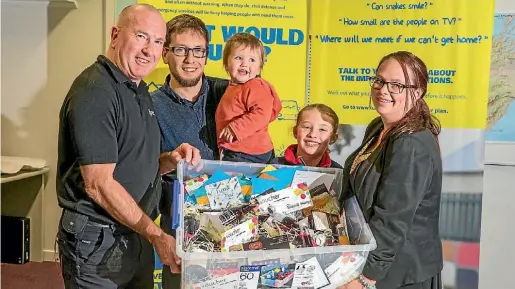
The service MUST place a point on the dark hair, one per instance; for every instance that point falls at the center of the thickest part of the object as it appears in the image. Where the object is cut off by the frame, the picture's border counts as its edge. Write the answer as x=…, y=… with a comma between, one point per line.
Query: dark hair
x=185, y=23
x=246, y=40
x=419, y=116
x=328, y=114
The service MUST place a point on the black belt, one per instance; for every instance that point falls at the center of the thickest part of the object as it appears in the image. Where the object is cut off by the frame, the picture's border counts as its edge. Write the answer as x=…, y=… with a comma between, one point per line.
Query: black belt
x=115, y=227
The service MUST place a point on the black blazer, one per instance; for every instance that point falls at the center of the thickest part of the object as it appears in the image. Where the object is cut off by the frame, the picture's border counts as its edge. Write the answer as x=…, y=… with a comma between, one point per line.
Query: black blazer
x=399, y=188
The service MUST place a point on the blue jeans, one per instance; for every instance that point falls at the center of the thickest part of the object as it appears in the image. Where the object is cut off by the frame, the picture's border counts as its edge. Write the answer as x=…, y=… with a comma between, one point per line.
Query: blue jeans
x=95, y=255
x=233, y=156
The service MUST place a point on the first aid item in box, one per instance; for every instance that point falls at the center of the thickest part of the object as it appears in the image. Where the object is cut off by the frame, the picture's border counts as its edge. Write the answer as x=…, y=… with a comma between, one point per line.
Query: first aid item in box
x=248, y=225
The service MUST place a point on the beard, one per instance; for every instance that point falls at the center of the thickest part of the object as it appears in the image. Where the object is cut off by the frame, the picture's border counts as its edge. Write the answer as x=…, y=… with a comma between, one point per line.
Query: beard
x=185, y=82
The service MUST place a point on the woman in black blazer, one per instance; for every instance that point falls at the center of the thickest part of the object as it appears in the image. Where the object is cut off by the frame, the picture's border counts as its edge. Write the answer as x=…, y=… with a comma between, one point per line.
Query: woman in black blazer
x=396, y=175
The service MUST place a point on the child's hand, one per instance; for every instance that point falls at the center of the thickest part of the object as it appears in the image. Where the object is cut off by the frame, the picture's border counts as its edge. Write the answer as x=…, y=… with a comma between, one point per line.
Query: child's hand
x=227, y=134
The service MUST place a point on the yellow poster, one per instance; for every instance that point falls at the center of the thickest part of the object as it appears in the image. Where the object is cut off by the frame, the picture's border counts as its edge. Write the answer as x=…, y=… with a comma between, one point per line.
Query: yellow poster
x=453, y=38
x=281, y=26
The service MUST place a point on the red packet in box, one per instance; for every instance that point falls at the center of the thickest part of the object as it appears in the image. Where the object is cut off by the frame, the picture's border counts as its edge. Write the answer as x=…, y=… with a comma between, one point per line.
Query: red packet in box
x=263, y=243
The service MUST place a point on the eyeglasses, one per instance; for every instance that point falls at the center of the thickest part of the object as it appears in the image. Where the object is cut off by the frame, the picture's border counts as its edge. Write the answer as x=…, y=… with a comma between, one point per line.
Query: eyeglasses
x=393, y=87
x=184, y=51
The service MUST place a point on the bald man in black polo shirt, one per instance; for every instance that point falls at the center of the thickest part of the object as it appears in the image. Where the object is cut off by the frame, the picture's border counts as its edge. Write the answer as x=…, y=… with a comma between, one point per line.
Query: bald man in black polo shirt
x=109, y=165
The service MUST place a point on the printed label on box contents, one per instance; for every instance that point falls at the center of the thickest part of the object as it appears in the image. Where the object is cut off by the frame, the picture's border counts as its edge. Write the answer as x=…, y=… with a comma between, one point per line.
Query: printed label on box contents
x=240, y=234
x=221, y=193
x=278, y=275
x=309, y=274
x=222, y=282
x=344, y=268
x=249, y=277
x=263, y=243
x=313, y=179
x=282, y=274
x=221, y=267
x=287, y=200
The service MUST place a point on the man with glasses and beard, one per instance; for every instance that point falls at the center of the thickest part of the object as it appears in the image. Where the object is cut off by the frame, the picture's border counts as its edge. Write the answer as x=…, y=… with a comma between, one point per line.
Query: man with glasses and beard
x=185, y=107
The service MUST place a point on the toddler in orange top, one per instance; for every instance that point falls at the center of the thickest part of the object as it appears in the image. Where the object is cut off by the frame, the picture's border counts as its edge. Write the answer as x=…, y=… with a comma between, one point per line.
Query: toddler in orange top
x=249, y=104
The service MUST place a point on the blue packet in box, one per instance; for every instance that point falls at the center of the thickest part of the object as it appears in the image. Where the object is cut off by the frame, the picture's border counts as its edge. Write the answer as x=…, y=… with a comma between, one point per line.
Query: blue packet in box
x=283, y=174
x=276, y=180
x=216, y=177
x=260, y=186
x=246, y=189
x=200, y=194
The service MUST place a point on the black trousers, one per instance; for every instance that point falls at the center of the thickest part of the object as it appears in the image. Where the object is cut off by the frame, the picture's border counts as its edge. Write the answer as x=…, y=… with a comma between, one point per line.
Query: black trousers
x=169, y=280
x=95, y=255
x=431, y=283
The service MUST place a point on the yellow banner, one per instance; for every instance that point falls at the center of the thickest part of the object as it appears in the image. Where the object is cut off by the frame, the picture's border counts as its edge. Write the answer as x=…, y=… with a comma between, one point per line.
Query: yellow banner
x=453, y=38
x=281, y=26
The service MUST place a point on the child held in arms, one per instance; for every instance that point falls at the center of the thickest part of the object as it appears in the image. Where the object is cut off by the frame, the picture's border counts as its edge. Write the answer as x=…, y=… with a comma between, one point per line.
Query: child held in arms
x=315, y=130
x=249, y=104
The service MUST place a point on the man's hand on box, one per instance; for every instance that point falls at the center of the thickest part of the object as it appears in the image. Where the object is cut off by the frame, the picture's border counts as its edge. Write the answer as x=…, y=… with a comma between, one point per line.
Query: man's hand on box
x=165, y=248
x=168, y=161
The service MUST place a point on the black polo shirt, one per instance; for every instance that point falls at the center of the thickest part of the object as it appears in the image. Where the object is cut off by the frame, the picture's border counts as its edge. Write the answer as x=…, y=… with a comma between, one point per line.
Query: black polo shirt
x=106, y=118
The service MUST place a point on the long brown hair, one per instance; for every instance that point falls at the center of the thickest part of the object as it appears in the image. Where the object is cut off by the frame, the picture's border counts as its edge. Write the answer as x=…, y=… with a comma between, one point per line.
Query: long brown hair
x=419, y=116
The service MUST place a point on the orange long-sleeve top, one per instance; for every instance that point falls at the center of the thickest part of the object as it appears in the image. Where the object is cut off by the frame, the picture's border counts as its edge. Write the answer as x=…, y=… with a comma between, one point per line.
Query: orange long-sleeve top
x=248, y=109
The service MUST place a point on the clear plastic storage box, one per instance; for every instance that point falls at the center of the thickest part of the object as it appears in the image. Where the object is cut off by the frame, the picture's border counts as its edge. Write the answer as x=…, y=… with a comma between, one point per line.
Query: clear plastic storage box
x=244, y=269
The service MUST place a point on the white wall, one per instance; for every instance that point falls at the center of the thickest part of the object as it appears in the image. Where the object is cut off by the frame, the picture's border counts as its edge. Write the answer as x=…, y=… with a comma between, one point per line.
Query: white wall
x=504, y=6
x=470, y=183
x=497, y=229
x=43, y=50
x=502, y=153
